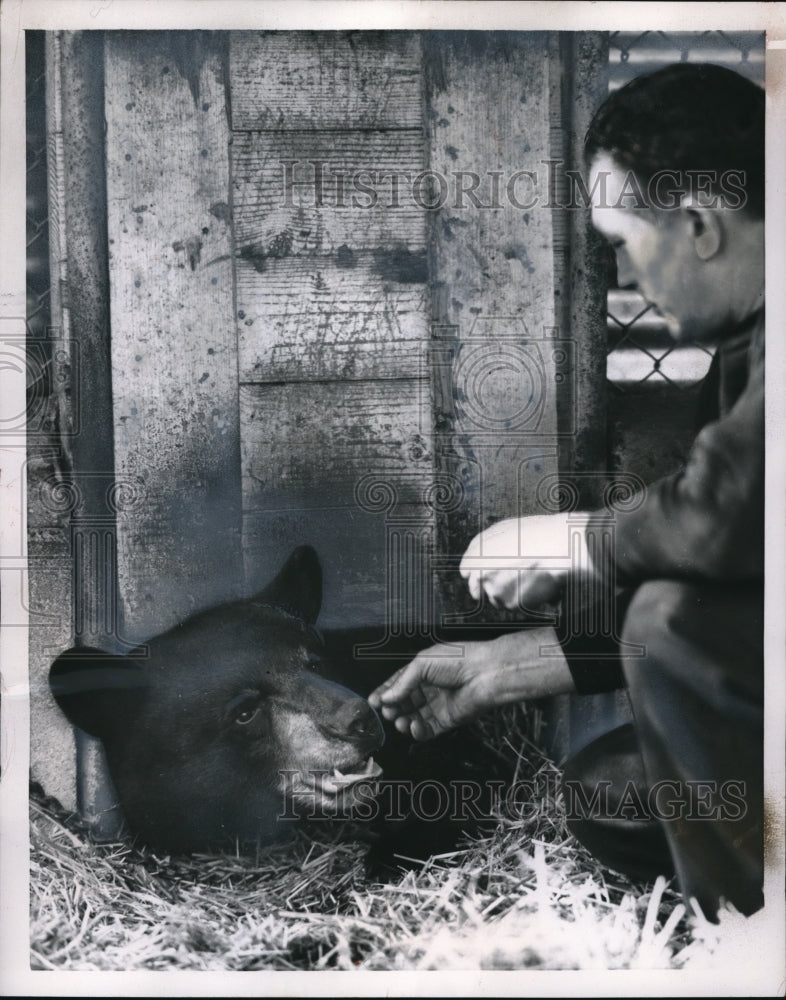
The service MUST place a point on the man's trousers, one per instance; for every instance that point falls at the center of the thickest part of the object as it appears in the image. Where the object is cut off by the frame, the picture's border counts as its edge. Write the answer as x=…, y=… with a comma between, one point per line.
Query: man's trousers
x=683, y=787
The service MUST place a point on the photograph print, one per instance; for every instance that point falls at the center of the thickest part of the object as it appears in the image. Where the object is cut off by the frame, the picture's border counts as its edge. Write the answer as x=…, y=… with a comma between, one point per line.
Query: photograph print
x=394, y=491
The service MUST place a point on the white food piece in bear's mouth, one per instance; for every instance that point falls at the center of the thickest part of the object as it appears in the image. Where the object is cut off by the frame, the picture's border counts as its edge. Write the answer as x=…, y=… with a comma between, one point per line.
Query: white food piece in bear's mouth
x=369, y=768
x=338, y=781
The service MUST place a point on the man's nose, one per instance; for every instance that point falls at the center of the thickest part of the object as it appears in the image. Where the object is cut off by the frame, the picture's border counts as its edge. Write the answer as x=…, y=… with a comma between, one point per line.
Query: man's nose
x=626, y=274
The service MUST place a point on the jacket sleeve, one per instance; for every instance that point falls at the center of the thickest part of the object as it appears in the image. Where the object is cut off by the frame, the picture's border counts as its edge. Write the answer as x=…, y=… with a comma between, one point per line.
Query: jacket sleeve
x=705, y=522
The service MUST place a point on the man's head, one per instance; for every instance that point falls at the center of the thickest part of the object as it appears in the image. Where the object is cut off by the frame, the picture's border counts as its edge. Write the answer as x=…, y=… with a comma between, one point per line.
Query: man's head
x=676, y=164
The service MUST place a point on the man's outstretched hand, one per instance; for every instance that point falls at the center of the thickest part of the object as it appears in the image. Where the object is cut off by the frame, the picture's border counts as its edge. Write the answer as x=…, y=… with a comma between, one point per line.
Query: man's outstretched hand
x=445, y=687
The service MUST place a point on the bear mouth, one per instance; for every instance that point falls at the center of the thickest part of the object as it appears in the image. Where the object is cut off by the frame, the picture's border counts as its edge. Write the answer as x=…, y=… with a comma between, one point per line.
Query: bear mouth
x=339, y=780
x=323, y=792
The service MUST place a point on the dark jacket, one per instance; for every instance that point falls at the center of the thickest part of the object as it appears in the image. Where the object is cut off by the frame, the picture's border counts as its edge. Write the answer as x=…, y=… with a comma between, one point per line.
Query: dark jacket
x=707, y=520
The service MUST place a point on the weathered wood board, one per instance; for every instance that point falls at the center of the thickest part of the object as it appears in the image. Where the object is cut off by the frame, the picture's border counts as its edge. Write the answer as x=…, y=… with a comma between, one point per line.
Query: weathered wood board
x=52, y=747
x=72, y=598
x=348, y=316
x=488, y=107
x=174, y=341
x=356, y=427
x=316, y=191
x=586, y=58
x=332, y=310
x=369, y=580
x=325, y=80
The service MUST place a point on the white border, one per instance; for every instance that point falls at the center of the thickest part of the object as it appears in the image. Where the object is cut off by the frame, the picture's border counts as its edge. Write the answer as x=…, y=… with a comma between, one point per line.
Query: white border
x=765, y=973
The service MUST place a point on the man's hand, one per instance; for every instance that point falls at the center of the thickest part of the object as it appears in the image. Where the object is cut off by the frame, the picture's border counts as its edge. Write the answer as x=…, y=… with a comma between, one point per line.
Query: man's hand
x=441, y=689
x=523, y=561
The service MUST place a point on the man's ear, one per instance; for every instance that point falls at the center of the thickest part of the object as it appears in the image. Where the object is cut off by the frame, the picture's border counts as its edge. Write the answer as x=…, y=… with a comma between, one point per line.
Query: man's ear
x=707, y=230
x=96, y=689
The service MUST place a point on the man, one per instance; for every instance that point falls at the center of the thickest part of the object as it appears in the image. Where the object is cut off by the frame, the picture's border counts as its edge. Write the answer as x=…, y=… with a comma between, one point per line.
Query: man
x=676, y=171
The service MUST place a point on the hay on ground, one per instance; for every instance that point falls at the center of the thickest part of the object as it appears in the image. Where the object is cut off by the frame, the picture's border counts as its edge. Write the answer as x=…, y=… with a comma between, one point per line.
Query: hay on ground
x=520, y=894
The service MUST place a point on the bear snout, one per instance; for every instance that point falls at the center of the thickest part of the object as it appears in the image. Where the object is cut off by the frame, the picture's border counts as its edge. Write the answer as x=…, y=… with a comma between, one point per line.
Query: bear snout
x=355, y=720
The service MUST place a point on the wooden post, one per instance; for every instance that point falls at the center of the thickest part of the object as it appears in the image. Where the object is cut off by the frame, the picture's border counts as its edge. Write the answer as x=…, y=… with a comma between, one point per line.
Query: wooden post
x=588, y=76
x=519, y=304
x=574, y=721
x=494, y=339
x=584, y=59
x=84, y=486
x=174, y=343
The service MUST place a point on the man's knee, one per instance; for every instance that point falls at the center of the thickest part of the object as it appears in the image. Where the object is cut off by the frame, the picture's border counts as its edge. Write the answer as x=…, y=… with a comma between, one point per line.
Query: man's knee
x=657, y=608
x=694, y=630
x=663, y=636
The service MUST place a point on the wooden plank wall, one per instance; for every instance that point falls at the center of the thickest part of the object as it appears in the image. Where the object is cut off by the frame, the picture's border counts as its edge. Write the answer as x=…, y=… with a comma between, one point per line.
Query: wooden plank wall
x=290, y=366
x=331, y=307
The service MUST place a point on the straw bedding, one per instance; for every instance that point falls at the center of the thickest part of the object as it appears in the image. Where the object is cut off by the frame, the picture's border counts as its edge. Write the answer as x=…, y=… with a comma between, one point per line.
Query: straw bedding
x=517, y=893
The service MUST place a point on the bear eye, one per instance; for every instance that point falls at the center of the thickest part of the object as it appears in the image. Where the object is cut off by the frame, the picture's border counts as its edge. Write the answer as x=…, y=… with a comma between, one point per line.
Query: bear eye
x=244, y=708
x=245, y=715
x=314, y=661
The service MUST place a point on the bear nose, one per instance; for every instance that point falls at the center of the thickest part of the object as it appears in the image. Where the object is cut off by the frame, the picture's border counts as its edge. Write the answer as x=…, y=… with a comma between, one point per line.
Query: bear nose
x=356, y=720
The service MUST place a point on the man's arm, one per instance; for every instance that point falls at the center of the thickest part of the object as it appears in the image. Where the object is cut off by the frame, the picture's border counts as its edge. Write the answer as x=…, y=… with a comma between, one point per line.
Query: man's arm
x=447, y=686
x=706, y=521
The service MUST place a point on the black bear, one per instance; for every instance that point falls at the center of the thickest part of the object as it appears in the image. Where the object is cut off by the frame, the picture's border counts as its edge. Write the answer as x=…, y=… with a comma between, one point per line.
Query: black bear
x=209, y=726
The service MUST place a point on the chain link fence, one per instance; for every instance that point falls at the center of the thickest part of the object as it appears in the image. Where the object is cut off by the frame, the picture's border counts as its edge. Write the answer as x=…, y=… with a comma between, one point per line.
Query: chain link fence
x=632, y=53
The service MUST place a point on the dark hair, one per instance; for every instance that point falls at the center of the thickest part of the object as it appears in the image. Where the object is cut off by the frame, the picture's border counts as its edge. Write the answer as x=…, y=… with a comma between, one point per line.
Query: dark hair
x=685, y=117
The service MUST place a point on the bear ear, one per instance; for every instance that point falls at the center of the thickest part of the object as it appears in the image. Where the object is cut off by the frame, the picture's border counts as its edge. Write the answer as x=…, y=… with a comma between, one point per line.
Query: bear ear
x=298, y=587
x=94, y=688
